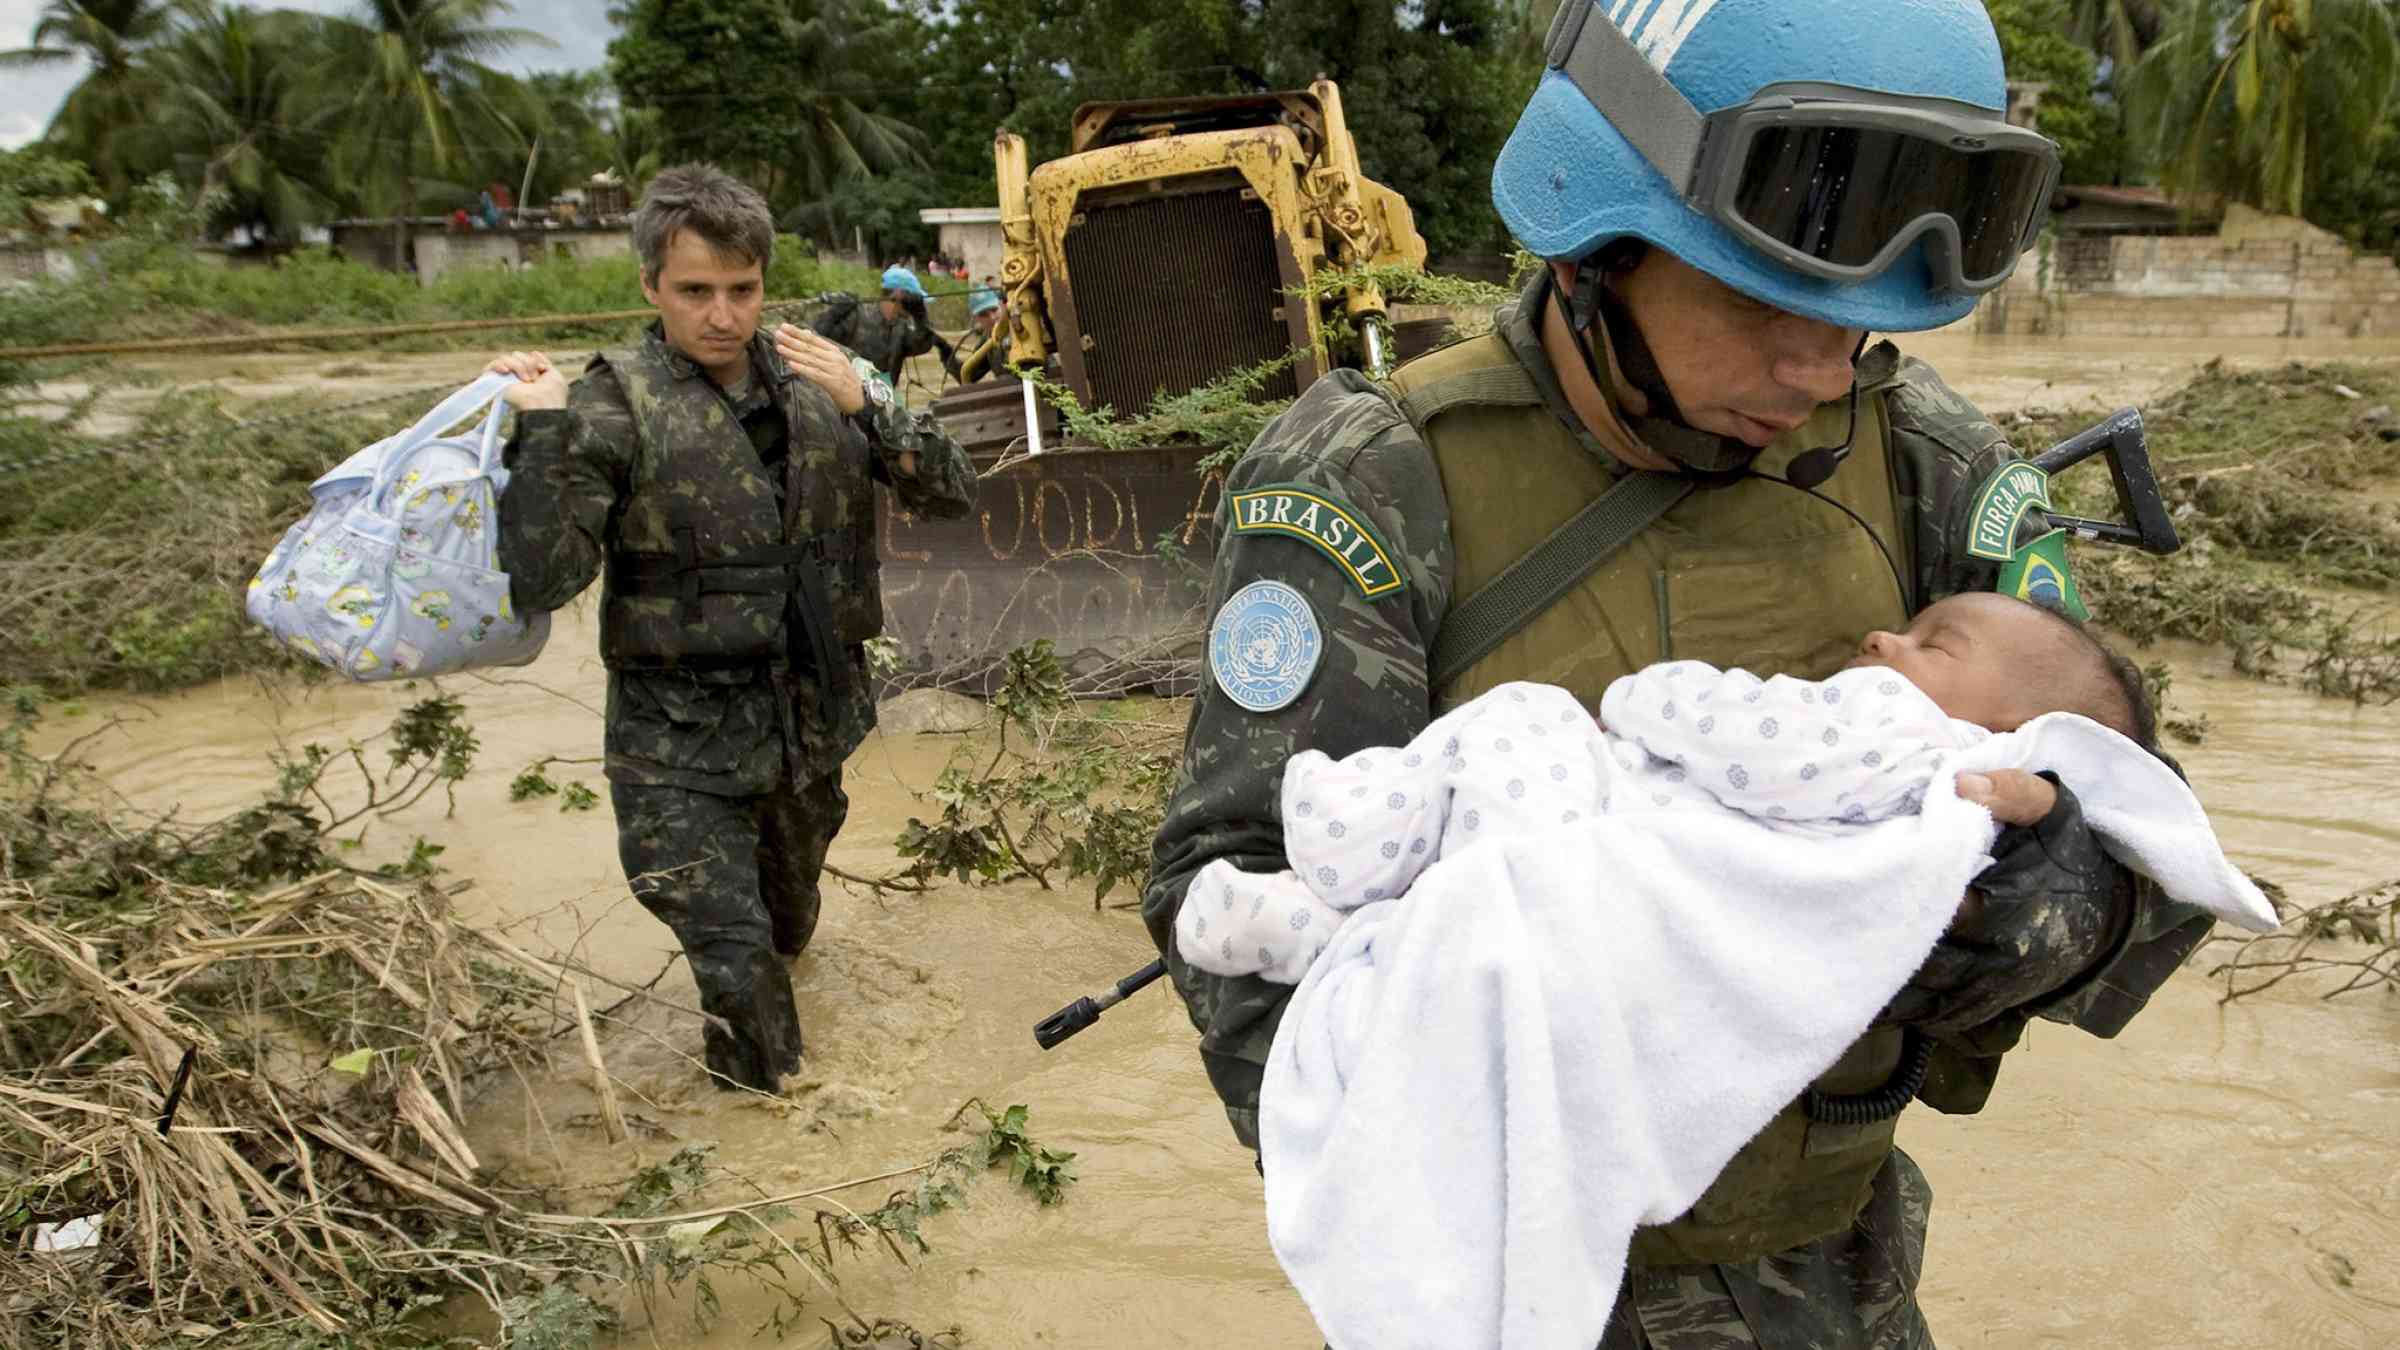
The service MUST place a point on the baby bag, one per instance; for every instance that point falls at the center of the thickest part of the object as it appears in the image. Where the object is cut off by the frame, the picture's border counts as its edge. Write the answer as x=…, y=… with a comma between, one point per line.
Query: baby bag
x=395, y=572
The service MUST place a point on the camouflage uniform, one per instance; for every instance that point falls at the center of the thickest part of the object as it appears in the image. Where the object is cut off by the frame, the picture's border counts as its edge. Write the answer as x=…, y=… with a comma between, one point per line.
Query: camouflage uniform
x=2063, y=934
x=996, y=366
x=726, y=780
x=861, y=327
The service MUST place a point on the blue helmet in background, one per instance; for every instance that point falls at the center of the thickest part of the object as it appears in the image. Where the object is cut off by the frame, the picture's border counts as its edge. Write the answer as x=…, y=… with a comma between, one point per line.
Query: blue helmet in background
x=898, y=278
x=982, y=300
x=1848, y=160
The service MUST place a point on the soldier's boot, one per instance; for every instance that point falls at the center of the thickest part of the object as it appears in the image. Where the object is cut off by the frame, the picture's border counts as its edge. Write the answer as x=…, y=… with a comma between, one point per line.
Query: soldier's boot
x=756, y=1037
x=793, y=919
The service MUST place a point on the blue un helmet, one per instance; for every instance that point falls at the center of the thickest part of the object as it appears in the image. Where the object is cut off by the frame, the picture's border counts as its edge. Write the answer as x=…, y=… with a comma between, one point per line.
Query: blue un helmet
x=1850, y=162
x=981, y=300
x=898, y=278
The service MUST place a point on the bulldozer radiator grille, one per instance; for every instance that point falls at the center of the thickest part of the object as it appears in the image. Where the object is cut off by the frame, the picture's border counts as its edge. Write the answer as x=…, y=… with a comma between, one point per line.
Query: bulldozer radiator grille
x=1173, y=291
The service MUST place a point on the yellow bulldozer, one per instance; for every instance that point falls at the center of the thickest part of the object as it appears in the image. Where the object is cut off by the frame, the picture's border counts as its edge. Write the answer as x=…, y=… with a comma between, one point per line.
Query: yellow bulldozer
x=1175, y=243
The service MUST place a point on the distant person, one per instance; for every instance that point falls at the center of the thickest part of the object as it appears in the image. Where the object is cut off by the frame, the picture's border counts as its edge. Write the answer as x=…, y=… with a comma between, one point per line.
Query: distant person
x=888, y=332
x=740, y=588
x=984, y=350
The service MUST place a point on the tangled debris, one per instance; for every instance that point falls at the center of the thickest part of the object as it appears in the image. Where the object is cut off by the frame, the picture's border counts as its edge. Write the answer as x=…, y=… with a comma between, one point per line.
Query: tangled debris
x=232, y=1103
x=2355, y=939
x=2271, y=477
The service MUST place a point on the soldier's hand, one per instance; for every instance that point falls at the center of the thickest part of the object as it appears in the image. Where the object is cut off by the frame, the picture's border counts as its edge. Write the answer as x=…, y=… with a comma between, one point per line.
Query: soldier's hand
x=2013, y=796
x=823, y=364
x=539, y=384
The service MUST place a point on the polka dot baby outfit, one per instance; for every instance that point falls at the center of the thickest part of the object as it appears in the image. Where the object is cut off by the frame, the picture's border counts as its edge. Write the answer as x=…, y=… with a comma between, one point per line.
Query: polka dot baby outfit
x=1800, y=755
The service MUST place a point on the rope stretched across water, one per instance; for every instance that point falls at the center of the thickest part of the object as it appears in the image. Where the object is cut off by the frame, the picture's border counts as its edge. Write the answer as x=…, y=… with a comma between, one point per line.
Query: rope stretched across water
x=84, y=453
x=233, y=342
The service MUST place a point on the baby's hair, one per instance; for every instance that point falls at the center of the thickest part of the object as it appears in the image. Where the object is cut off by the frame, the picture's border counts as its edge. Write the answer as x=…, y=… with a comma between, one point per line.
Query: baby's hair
x=2110, y=689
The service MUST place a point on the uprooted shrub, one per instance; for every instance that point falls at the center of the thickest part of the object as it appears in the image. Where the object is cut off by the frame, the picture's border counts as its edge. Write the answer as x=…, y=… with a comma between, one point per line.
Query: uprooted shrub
x=232, y=1095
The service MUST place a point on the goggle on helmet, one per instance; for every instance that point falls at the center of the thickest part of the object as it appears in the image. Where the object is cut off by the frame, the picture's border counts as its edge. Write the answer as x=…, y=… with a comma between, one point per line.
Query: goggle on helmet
x=1829, y=181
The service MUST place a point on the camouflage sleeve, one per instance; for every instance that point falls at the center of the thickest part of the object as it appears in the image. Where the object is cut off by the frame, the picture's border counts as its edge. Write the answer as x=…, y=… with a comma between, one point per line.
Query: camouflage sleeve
x=567, y=471
x=838, y=320
x=1344, y=442
x=1943, y=449
x=2065, y=931
x=941, y=485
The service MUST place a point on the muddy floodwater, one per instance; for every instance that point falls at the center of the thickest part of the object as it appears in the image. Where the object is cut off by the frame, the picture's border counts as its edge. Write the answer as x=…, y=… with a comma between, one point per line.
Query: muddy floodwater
x=2221, y=1175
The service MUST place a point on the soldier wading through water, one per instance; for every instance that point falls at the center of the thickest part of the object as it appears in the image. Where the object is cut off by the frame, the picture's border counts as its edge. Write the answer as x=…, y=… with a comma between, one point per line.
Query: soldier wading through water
x=721, y=482
x=1700, y=335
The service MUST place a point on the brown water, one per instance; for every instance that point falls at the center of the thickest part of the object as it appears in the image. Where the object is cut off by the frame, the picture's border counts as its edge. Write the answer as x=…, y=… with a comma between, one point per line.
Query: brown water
x=2221, y=1176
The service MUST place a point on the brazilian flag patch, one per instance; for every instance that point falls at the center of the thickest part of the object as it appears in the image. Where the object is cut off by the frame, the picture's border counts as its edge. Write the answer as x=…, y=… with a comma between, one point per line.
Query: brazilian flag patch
x=2038, y=572
x=1335, y=528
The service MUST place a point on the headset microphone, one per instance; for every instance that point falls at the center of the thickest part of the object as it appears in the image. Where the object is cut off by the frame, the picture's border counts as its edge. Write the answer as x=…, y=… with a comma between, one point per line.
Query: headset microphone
x=1812, y=467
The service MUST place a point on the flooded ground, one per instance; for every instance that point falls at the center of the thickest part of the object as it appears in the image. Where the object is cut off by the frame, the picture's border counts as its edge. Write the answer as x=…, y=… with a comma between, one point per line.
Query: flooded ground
x=2219, y=1176
x=1998, y=373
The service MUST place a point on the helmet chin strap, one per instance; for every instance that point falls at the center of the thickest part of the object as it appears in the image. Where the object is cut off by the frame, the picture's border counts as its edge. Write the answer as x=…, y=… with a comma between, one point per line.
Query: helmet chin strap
x=1708, y=458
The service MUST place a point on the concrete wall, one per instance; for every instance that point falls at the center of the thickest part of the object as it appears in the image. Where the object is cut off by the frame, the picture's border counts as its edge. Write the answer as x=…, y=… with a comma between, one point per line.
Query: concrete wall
x=441, y=251
x=2258, y=277
x=978, y=243
x=32, y=261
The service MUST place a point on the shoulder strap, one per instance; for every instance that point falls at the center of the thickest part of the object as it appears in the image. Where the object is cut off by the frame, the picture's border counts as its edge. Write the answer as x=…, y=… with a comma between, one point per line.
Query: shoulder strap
x=1480, y=372
x=1551, y=568
x=1503, y=385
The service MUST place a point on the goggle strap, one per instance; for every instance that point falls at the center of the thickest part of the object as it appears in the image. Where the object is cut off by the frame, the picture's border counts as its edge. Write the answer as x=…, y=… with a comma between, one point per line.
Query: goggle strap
x=1643, y=105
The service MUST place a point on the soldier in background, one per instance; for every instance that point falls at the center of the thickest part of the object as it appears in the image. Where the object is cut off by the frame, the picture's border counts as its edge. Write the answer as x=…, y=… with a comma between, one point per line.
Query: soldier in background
x=889, y=331
x=1699, y=337
x=984, y=351
x=722, y=481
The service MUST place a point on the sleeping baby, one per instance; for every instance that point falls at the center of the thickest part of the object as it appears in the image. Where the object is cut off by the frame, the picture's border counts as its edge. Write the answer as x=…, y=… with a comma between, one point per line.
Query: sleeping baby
x=1798, y=756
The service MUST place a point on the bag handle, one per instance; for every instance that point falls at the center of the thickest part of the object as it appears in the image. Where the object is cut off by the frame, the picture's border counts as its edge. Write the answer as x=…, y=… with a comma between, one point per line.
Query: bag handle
x=484, y=390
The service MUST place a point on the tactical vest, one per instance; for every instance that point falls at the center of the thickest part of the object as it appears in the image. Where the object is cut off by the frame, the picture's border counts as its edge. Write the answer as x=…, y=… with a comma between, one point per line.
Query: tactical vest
x=1754, y=575
x=703, y=572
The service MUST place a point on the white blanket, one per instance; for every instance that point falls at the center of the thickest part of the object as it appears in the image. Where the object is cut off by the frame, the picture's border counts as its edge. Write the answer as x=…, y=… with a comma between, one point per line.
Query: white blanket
x=1481, y=1088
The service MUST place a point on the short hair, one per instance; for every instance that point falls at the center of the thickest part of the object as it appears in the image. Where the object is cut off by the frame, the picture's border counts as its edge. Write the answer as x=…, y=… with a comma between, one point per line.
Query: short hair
x=727, y=214
x=2110, y=689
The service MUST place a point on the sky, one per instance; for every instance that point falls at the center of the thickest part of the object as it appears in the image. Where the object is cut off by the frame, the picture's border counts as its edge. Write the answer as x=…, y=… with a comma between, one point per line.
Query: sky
x=29, y=97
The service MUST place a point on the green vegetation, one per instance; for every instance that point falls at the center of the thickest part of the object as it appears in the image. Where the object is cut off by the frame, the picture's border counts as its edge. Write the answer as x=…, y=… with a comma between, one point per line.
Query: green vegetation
x=2255, y=99
x=253, y=1065
x=1081, y=793
x=852, y=115
x=147, y=287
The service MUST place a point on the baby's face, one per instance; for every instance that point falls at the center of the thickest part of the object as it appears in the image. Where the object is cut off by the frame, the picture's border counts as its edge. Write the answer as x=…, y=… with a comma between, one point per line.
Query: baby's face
x=1975, y=655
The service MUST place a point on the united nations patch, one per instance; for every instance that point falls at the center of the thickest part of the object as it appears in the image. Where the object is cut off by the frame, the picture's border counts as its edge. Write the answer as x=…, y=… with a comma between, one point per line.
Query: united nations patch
x=1336, y=529
x=1264, y=645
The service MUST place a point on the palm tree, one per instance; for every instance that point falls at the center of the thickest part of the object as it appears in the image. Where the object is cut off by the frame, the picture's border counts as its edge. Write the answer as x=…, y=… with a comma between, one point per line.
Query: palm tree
x=111, y=106
x=2118, y=31
x=837, y=137
x=420, y=93
x=237, y=104
x=2250, y=97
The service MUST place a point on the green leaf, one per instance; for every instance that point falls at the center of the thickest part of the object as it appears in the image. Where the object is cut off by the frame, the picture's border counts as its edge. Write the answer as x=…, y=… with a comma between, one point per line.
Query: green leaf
x=357, y=1062
x=688, y=1238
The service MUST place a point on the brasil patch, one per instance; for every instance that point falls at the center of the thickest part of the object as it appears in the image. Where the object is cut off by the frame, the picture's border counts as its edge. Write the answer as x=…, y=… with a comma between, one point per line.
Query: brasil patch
x=2038, y=573
x=2000, y=507
x=1337, y=530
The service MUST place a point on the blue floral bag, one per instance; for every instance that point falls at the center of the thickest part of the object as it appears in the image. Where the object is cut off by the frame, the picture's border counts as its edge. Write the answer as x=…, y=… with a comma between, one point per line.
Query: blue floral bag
x=395, y=572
